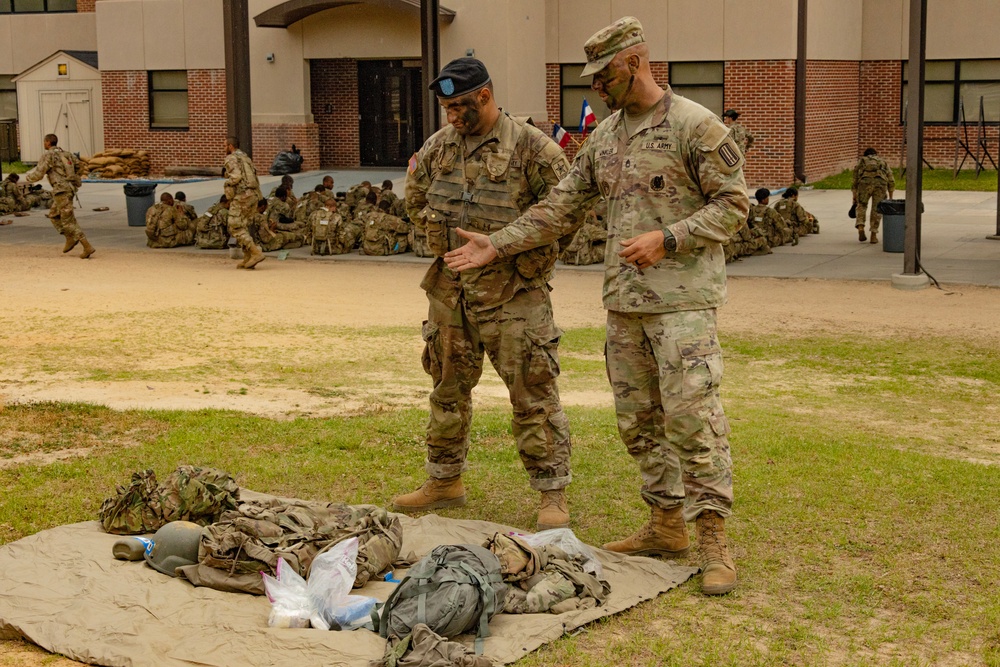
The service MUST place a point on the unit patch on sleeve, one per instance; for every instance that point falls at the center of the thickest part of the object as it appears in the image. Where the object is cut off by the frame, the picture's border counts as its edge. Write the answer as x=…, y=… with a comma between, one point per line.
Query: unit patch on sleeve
x=729, y=154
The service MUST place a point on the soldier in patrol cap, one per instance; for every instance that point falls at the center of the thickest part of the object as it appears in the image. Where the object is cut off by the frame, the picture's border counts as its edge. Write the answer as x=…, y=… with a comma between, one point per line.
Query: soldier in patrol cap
x=480, y=172
x=672, y=178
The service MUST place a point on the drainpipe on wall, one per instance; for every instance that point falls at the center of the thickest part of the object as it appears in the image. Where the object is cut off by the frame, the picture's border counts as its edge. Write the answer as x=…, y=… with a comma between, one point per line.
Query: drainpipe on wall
x=430, y=63
x=236, y=34
x=799, y=165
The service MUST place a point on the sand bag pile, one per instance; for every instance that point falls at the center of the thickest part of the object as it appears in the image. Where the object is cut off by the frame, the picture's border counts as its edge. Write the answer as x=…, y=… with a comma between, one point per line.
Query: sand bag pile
x=118, y=163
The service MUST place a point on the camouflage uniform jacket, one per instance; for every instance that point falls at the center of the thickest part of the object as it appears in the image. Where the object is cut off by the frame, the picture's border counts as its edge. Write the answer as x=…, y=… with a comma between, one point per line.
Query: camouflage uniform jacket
x=872, y=169
x=62, y=168
x=12, y=191
x=763, y=217
x=186, y=210
x=680, y=172
x=164, y=222
x=397, y=206
x=514, y=166
x=290, y=199
x=741, y=136
x=241, y=177
x=276, y=209
x=793, y=212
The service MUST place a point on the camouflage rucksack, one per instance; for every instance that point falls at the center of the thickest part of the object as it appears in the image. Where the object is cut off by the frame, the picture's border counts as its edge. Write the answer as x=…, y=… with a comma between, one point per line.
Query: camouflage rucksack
x=190, y=493
x=454, y=589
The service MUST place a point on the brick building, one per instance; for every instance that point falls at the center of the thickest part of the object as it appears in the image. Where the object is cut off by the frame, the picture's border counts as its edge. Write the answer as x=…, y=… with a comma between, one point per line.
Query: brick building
x=341, y=79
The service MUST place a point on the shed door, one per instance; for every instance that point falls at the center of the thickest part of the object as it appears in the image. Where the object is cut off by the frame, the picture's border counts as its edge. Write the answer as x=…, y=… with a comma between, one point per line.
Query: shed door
x=67, y=114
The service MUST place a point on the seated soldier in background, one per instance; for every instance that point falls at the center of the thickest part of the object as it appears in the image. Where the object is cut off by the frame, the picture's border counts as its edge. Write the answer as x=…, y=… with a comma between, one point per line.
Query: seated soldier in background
x=769, y=221
x=331, y=234
x=791, y=210
x=367, y=206
x=287, y=232
x=310, y=203
x=384, y=233
x=357, y=195
x=180, y=201
x=327, y=183
x=210, y=229
x=397, y=206
x=12, y=199
x=260, y=230
x=286, y=182
x=747, y=241
x=166, y=227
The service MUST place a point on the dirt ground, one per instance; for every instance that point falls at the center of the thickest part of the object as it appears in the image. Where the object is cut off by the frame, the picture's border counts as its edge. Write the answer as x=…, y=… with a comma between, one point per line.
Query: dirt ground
x=46, y=294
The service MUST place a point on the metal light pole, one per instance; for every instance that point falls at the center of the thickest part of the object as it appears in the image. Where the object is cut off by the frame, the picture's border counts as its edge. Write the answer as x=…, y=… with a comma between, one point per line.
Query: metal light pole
x=236, y=26
x=915, y=137
x=800, y=94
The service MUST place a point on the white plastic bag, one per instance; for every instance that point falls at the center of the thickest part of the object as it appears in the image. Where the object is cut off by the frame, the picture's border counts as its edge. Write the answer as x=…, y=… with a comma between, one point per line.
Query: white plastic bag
x=568, y=542
x=331, y=578
x=290, y=607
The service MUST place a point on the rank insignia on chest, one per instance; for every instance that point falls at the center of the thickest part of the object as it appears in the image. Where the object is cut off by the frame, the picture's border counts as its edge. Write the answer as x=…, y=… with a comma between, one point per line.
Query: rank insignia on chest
x=656, y=183
x=515, y=163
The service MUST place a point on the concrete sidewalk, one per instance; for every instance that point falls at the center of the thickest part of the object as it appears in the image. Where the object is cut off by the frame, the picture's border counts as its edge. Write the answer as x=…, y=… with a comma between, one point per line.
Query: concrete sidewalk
x=954, y=245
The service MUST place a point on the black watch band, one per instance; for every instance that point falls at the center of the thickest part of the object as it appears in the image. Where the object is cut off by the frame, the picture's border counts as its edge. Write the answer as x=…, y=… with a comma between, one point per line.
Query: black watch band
x=669, y=242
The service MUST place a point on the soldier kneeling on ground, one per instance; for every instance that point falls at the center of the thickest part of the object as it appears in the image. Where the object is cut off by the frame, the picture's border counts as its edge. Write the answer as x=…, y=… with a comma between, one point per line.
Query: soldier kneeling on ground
x=210, y=230
x=166, y=227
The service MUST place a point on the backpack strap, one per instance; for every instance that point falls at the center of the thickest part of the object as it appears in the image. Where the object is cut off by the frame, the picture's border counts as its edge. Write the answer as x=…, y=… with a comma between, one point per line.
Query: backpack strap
x=488, y=599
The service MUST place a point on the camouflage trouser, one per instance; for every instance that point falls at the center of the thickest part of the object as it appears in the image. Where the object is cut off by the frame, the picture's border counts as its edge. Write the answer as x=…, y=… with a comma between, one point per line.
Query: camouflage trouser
x=756, y=246
x=876, y=191
x=665, y=370
x=63, y=218
x=521, y=340
x=8, y=205
x=241, y=212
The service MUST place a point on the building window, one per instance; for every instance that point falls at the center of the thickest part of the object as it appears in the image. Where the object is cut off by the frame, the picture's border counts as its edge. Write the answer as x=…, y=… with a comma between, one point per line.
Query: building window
x=168, y=100
x=8, y=99
x=36, y=6
x=951, y=83
x=572, y=91
x=700, y=82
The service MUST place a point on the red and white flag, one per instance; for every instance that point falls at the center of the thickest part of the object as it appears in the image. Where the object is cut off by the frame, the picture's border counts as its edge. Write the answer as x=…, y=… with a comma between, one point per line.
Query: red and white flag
x=560, y=135
x=587, y=116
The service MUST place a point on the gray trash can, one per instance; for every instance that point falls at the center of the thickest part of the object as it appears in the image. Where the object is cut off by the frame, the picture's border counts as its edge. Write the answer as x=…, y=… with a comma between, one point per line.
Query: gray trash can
x=893, y=224
x=139, y=198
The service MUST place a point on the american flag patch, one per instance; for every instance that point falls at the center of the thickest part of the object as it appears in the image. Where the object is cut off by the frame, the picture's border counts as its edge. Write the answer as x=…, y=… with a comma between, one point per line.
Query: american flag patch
x=412, y=164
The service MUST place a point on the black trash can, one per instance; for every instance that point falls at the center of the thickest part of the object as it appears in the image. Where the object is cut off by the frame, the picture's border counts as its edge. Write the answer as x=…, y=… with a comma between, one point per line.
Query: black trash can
x=139, y=198
x=893, y=224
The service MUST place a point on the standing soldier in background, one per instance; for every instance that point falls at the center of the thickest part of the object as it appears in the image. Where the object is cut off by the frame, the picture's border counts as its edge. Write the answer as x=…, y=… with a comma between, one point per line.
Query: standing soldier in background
x=673, y=181
x=243, y=193
x=872, y=180
x=481, y=171
x=63, y=170
x=738, y=132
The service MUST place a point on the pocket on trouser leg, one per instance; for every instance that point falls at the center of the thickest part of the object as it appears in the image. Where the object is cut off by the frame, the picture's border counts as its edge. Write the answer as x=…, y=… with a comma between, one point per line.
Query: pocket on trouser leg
x=542, y=358
x=701, y=367
x=430, y=358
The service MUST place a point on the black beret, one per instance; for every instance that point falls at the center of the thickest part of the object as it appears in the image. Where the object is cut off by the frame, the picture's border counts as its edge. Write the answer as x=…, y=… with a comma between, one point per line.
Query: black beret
x=460, y=76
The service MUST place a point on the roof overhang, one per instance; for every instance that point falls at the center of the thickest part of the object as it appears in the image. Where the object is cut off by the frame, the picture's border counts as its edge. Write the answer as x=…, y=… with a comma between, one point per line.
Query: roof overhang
x=293, y=11
x=85, y=58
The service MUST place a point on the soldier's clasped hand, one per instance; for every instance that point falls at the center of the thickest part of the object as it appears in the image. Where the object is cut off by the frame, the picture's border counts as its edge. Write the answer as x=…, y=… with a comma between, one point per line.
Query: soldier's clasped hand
x=644, y=250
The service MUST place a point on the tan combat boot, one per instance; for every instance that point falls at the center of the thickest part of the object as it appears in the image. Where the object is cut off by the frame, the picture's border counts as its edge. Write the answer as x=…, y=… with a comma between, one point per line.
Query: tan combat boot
x=432, y=494
x=88, y=249
x=665, y=535
x=70, y=243
x=255, y=258
x=861, y=235
x=874, y=237
x=717, y=568
x=553, y=511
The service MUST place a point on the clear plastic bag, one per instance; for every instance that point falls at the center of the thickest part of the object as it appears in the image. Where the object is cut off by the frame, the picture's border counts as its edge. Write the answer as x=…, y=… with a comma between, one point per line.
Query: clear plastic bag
x=290, y=606
x=331, y=578
x=568, y=542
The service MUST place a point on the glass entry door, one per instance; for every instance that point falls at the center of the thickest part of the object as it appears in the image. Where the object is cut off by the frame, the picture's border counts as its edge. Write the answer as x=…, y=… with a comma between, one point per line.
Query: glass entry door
x=391, y=120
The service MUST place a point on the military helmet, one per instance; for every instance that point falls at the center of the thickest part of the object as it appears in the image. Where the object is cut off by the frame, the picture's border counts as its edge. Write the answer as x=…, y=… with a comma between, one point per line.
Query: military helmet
x=174, y=545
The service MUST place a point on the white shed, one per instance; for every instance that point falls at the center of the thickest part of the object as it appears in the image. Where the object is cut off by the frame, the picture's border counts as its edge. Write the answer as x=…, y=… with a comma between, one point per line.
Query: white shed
x=61, y=95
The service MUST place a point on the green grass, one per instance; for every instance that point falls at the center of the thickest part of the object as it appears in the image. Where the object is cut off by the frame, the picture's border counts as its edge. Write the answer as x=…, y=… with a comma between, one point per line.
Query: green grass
x=14, y=168
x=864, y=532
x=934, y=179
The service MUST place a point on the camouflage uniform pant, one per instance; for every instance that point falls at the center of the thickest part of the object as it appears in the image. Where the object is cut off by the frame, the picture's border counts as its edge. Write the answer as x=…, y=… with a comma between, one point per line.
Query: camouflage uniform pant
x=665, y=370
x=876, y=191
x=521, y=340
x=63, y=218
x=8, y=205
x=241, y=212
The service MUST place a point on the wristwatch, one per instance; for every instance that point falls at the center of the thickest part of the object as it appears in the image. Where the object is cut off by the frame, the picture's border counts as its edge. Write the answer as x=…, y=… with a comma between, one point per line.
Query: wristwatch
x=669, y=242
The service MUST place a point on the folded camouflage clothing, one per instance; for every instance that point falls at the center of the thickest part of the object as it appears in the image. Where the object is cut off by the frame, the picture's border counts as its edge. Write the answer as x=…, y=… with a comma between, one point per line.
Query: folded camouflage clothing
x=190, y=493
x=249, y=540
x=545, y=579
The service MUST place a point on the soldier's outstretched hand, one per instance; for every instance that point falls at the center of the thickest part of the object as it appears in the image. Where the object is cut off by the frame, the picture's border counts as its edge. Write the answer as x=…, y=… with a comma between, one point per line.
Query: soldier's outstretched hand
x=479, y=251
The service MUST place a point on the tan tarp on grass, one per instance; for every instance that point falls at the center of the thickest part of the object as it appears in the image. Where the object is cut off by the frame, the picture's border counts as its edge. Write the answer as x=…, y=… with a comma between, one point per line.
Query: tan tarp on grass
x=62, y=590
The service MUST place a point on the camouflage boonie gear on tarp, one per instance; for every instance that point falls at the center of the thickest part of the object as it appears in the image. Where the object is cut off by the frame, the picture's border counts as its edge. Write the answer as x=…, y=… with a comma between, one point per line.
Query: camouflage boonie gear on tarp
x=250, y=539
x=189, y=494
x=544, y=579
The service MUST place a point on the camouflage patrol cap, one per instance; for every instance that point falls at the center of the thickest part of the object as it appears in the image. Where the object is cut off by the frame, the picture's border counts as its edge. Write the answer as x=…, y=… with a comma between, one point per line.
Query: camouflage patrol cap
x=605, y=44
